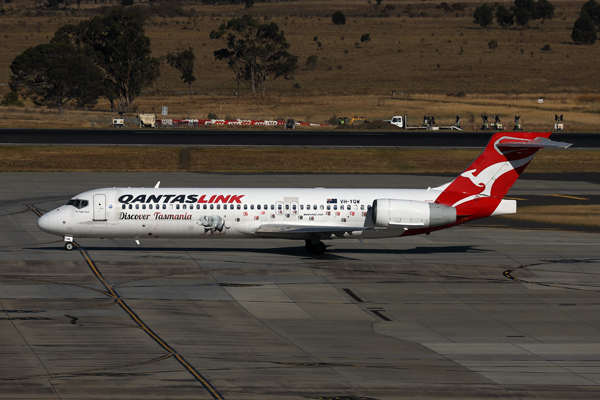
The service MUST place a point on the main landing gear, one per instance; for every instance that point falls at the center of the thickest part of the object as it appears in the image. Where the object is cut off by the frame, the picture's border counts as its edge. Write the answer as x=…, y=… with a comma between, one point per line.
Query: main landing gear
x=316, y=248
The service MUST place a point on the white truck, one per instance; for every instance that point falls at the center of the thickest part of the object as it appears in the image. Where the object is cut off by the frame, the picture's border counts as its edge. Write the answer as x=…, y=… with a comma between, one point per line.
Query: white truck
x=398, y=120
x=428, y=123
x=147, y=120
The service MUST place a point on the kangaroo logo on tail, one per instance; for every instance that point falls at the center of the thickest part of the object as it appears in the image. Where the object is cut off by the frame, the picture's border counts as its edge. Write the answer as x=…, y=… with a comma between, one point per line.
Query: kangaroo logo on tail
x=478, y=191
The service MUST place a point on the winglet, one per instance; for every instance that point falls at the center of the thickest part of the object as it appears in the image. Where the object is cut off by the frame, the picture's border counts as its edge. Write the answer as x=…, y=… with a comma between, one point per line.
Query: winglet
x=157, y=185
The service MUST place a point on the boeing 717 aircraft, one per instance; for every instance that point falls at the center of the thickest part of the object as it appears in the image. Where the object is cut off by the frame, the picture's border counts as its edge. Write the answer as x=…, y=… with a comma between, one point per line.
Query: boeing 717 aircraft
x=309, y=214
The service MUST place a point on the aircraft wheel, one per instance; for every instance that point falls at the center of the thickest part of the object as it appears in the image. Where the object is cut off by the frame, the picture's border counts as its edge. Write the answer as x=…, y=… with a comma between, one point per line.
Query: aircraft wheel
x=319, y=248
x=308, y=246
x=69, y=246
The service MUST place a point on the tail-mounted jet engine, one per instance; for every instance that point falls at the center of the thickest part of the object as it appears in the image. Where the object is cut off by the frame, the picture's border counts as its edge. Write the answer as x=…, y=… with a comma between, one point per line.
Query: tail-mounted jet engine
x=398, y=214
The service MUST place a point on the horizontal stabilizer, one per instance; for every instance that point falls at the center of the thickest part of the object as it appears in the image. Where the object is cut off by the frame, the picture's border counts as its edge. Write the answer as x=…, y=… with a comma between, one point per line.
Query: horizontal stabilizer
x=540, y=142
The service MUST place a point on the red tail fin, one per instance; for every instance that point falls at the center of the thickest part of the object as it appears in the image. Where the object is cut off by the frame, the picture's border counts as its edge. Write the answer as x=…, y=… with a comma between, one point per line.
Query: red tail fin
x=478, y=191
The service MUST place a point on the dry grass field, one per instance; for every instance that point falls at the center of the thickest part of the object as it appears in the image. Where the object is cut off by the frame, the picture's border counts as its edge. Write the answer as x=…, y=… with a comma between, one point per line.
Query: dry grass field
x=418, y=50
x=219, y=160
x=587, y=215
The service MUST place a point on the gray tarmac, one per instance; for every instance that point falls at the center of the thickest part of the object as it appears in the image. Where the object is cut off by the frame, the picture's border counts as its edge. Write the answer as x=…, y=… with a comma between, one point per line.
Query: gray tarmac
x=472, y=312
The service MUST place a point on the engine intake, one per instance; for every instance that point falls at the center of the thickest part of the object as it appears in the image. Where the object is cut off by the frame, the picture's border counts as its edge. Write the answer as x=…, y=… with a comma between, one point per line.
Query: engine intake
x=394, y=213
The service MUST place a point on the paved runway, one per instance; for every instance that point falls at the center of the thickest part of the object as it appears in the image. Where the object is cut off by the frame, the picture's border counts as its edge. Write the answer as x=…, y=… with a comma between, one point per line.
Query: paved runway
x=270, y=138
x=471, y=312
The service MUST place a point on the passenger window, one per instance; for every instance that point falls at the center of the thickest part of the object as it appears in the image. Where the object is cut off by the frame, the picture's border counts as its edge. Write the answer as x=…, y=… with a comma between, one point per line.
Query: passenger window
x=185, y=206
x=335, y=207
x=164, y=206
x=218, y=206
x=287, y=207
x=362, y=206
x=272, y=206
x=294, y=207
x=197, y=206
x=239, y=206
x=150, y=206
x=279, y=207
x=124, y=206
x=137, y=206
x=266, y=207
x=143, y=206
x=245, y=206
x=258, y=207
x=170, y=206
x=348, y=207
x=130, y=206
x=301, y=207
x=252, y=206
x=204, y=206
x=177, y=206
x=212, y=206
x=328, y=207
x=322, y=207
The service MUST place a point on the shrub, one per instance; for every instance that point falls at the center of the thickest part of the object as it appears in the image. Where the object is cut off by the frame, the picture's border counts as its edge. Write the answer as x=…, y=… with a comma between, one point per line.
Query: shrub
x=338, y=18
x=504, y=16
x=546, y=48
x=11, y=99
x=592, y=8
x=311, y=61
x=584, y=30
x=483, y=15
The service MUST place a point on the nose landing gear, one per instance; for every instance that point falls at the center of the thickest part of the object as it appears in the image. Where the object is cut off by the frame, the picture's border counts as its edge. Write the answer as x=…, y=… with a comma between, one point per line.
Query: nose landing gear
x=315, y=248
x=69, y=245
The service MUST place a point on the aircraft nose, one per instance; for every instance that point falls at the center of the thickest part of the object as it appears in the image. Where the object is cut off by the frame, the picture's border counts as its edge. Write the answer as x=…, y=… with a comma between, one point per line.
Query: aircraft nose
x=43, y=222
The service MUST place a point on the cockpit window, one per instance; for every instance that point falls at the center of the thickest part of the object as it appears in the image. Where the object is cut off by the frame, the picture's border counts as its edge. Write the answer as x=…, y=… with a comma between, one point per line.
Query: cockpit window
x=78, y=204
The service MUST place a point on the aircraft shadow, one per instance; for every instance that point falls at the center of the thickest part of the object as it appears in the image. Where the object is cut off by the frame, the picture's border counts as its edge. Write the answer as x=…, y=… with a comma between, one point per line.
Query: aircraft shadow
x=332, y=253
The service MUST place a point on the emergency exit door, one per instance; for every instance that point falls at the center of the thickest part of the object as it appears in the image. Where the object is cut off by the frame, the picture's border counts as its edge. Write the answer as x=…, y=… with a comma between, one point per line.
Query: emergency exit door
x=99, y=207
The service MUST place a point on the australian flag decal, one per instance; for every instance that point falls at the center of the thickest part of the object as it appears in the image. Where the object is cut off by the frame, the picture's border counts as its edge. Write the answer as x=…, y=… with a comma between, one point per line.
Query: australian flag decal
x=331, y=201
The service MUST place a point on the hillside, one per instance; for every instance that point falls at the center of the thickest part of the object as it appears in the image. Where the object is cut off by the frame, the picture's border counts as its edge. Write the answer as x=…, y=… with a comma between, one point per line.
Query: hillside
x=420, y=51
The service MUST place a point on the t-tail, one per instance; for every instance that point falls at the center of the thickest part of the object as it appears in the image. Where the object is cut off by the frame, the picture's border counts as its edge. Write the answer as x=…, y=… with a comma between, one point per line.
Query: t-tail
x=478, y=192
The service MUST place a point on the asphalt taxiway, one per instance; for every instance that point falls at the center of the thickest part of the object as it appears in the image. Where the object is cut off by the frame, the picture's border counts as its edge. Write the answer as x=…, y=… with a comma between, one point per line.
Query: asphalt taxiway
x=268, y=138
x=477, y=311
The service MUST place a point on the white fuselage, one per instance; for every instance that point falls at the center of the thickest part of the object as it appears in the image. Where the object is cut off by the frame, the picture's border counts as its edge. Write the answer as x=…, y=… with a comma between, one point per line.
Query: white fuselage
x=224, y=212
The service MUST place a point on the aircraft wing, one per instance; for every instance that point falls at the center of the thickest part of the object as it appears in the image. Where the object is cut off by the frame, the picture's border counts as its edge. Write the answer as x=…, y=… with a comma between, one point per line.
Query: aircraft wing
x=305, y=231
